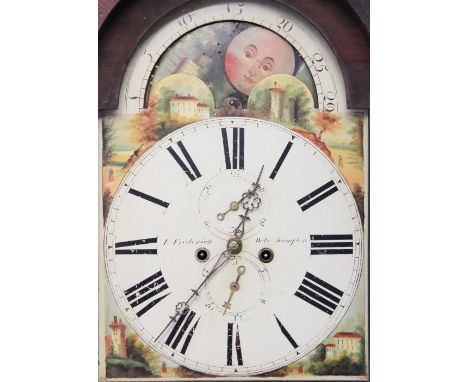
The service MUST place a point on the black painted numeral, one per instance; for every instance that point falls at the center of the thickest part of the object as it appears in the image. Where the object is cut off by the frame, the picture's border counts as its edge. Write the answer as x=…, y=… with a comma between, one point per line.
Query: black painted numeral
x=319, y=293
x=237, y=148
x=286, y=333
x=149, y=198
x=281, y=160
x=318, y=195
x=233, y=340
x=147, y=293
x=331, y=244
x=136, y=251
x=193, y=172
x=180, y=328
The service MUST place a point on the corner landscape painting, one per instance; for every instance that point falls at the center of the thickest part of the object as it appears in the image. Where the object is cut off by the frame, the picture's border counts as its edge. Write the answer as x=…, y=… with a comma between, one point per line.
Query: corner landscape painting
x=206, y=74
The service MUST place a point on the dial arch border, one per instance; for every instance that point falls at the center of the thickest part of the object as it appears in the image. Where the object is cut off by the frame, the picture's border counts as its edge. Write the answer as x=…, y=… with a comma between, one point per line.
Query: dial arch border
x=131, y=20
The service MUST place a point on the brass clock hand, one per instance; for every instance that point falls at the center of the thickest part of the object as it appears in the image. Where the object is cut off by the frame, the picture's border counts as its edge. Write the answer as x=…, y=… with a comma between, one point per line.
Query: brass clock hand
x=234, y=286
x=234, y=205
x=234, y=246
x=183, y=307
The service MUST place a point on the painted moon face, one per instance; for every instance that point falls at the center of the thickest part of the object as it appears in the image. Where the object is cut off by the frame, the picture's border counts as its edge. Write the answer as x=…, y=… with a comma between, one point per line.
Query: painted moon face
x=255, y=54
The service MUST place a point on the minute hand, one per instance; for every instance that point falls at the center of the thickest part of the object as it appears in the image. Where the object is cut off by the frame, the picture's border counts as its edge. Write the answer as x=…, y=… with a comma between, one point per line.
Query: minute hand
x=183, y=307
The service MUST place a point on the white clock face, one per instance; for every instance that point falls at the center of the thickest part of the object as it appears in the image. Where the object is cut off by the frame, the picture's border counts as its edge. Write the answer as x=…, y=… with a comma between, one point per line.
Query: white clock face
x=294, y=30
x=265, y=306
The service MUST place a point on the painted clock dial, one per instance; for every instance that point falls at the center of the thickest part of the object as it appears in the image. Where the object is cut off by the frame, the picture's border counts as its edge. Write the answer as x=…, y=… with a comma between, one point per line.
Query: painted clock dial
x=277, y=297
x=231, y=47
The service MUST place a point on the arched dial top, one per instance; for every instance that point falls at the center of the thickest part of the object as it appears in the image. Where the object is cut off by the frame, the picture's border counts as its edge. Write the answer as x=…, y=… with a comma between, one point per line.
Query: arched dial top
x=306, y=41
x=295, y=267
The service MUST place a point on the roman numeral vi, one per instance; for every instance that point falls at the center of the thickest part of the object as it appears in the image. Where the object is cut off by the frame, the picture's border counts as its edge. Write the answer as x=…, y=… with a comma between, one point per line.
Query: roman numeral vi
x=233, y=341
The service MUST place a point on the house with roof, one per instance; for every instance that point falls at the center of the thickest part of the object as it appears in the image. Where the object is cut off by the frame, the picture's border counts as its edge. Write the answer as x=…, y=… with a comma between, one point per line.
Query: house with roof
x=345, y=344
x=187, y=108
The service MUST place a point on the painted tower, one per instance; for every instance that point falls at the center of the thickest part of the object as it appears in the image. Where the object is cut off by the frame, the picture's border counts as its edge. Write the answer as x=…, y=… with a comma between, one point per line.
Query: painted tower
x=118, y=339
x=277, y=99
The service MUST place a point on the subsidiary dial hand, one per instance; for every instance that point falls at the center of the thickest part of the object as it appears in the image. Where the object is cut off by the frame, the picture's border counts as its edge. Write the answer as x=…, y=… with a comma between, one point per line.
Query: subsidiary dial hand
x=234, y=246
x=249, y=199
x=234, y=286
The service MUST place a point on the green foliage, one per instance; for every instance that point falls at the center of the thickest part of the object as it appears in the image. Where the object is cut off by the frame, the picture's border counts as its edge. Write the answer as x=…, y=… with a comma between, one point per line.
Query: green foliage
x=112, y=353
x=337, y=366
x=319, y=354
x=263, y=102
x=164, y=97
x=123, y=368
x=127, y=363
x=138, y=351
x=357, y=135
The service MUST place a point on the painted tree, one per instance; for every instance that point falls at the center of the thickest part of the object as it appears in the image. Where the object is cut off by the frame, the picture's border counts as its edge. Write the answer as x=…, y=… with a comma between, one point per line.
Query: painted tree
x=108, y=136
x=143, y=126
x=111, y=353
x=319, y=354
x=325, y=121
x=263, y=103
x=303, y=108
x=357, y=131
x=143, y=129
x=164, y=98
x=141, y=352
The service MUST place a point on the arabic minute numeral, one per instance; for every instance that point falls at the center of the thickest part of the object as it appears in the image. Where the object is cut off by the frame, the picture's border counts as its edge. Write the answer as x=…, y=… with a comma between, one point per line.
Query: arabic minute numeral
x=284, y=24
x=185, y=20
x=317, y=60
x=236, y=9
x=329, y=101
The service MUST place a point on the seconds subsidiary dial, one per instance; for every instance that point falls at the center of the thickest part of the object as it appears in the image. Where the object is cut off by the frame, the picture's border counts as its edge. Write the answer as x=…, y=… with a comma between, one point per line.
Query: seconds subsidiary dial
x=233, y=246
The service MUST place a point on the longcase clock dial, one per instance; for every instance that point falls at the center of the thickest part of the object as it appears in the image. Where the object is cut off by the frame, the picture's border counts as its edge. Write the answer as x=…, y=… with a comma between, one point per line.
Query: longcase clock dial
x=237, y=233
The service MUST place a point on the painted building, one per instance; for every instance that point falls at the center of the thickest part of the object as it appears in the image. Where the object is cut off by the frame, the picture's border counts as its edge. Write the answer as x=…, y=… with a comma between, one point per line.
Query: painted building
x=117, y=339
x=277, y=101
x=345, y=343
x=330, y=350
x=281, y=109
x=203, y=110
x=188, y=108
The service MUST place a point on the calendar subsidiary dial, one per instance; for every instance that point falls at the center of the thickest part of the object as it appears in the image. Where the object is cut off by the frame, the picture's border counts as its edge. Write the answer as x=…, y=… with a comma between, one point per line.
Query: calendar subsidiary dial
x=233, y=246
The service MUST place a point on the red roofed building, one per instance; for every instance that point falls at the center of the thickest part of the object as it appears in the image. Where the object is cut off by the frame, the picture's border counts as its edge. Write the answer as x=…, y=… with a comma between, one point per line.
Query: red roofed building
x=345, y=343
x=330, y=350
x=203, y=110
x=188, y=108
